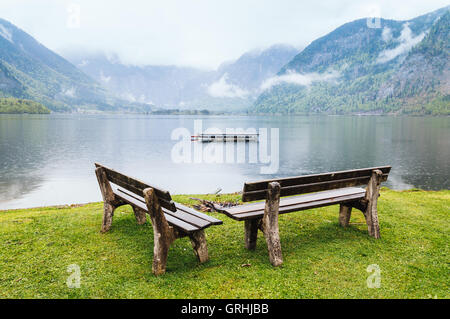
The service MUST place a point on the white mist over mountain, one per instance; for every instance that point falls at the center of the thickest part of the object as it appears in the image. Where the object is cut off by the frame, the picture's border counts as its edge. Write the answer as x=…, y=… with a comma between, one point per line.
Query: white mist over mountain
x=406, y=41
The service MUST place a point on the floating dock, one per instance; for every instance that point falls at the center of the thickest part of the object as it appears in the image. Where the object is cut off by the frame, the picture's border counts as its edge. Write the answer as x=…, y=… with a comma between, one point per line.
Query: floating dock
x=208, y=138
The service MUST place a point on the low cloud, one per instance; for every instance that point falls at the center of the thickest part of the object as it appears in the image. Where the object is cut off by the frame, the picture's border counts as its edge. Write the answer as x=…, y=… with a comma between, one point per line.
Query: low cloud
x=6, y=33
x=103, y=78
x=406, y=41
x=70, y=92
x=305, y=79
x=222, y=88
x=83, y=63
x=129, y=97
x=112, y=58
x=386, y=35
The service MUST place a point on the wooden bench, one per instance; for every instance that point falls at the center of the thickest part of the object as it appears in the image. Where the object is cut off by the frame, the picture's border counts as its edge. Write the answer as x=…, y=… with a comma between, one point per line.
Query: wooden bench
x=170, y=220
x=325, y=189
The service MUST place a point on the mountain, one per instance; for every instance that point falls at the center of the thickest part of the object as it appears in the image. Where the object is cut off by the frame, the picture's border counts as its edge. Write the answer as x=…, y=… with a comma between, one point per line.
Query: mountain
x=359, y=69
x=28, y=70
x=165, y=86
x=422, y=82
x=238, y=82
x=233, y=86
x=254, y=67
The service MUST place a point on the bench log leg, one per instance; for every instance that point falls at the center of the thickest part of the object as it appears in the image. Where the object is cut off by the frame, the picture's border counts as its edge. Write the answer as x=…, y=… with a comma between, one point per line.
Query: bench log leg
x=108, y=199
x=344, y=215
x=372, y=194
x=269, y=224
x=163, y=234
x=108, y=213
x=251, y=233
x=198, y=241
x=140, y=215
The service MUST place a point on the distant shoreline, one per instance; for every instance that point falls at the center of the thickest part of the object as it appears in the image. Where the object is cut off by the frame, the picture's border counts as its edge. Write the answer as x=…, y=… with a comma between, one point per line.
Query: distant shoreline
x=218, y=113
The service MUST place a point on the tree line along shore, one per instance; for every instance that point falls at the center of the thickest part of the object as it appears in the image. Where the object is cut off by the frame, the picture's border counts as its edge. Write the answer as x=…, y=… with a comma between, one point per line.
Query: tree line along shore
x=21, y=106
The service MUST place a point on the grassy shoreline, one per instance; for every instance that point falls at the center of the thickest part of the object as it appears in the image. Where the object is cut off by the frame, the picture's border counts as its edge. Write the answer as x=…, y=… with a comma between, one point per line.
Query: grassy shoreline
x=322, y=260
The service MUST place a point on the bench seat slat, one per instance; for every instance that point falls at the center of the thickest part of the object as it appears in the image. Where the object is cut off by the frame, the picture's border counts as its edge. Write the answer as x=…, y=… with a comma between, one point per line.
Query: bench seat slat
x=184, y=213
x=296, y=203
x=292, y=200
x=191, y=211
x=188, y=218
x=194, y=218
x=188, y=228
x=299, y=207
x=182, y=210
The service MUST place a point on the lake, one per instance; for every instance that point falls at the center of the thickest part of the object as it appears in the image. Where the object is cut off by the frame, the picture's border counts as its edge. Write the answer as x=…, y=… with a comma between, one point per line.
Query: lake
x=49, y=159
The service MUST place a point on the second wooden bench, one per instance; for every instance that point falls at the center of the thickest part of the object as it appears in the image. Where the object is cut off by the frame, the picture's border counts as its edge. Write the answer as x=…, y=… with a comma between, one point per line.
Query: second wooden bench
x=318, y=190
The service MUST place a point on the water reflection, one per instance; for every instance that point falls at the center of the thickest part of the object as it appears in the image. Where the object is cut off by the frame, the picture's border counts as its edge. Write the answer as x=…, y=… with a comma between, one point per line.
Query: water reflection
x=46, y=160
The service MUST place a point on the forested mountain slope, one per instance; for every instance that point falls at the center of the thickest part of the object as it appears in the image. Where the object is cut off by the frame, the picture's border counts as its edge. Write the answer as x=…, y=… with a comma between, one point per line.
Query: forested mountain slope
x=400, y=67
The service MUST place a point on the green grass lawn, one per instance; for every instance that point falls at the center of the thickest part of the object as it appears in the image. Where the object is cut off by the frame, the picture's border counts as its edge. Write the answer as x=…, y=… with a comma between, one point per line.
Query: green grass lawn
x=321, y=259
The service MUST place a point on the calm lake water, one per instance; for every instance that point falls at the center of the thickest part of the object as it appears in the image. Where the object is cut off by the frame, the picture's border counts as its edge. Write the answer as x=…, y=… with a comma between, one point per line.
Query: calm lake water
x=49, y=160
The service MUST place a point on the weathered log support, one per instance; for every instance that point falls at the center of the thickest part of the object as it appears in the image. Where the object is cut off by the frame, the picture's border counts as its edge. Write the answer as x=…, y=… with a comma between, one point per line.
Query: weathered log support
x=109, y=201
x=108, y=213
x=198, y=241
x=140, y=215
x=345, y=213
x=368, y=206
x=251, y=232
x=163, y=234
x=371, y=212
x=269, y=224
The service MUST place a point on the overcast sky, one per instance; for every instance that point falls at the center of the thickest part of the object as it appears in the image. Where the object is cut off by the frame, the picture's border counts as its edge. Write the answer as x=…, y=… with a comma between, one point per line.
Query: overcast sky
x=202, y=33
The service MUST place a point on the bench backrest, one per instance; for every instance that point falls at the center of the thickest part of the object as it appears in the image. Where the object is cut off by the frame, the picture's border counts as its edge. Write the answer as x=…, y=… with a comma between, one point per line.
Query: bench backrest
x=137, y=187
x=313, y=183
